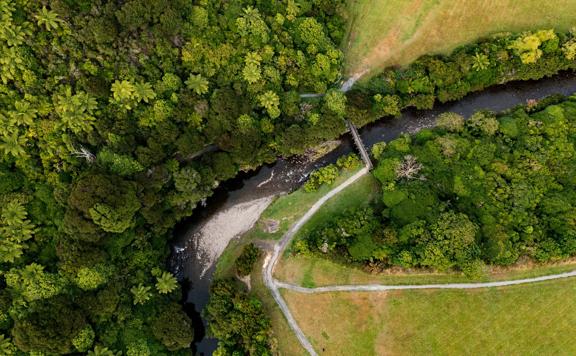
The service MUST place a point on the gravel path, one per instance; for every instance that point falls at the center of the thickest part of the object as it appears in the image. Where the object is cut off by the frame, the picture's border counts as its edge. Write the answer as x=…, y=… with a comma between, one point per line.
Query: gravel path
x=279, y=248
x=383, y=287
x=274, y=285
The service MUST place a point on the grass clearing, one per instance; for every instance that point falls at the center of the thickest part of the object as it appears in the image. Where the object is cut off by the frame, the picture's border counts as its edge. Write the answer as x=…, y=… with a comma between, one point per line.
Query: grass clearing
x=361, y=193
x=384, y=33
x=285, y=210
x=316, y=272
x=287, y=343
x=529, y=319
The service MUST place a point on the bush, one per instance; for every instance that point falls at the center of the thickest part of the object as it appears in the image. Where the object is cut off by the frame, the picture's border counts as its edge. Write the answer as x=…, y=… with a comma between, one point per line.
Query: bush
x=245, y=262
x=348, y=162
x=324, y=175
x=450, y=121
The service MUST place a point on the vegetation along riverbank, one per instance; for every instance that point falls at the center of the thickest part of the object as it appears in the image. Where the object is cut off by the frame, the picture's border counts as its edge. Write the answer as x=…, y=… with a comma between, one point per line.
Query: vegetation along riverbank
x=119, y=118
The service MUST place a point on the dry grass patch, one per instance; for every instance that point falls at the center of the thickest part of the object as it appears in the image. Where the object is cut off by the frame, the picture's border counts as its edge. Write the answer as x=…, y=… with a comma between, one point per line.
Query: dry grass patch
x=527, y=319
x=396, y=32
x=320, y=316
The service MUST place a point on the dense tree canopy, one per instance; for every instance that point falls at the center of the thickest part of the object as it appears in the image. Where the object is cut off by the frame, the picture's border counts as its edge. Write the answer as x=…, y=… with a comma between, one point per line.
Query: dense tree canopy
x=488, y=190
x=118, y=118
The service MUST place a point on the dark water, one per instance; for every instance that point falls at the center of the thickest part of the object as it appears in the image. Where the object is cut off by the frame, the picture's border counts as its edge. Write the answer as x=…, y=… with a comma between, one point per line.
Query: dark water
x=288, y=174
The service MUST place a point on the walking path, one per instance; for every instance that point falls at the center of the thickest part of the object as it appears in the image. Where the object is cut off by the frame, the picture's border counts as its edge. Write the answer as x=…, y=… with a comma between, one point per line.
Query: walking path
x=383, y=287
x=274, y=285
x=272, y=259
x=279, y=248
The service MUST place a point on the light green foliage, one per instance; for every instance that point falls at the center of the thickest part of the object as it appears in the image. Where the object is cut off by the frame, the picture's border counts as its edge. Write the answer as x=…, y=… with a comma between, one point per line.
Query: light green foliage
x=6, y=346
x=385, y=172
x=89, y=278
x=245, y=122
x=252, y=26
x=120, y=164
x=76, y=110
x=351, y=161
x=387, y=105
x=32, y=283
x=335, y=101
x=141, y=294
x=197, y=84
x=186, y=180
x=123, y=93
x=481, y=62
x=48, y=19
x=252, y=72
x=377, y=149
x=483, y=123
x=324, y=175
x=114, y=218
x=100, y=351
x=84, y=340
x=15, y=229
x=569, y=49
x=450, y=121
x=528, y=47
x=166, y=283
x=143, y=92
x=271, y=102
x=311, y=32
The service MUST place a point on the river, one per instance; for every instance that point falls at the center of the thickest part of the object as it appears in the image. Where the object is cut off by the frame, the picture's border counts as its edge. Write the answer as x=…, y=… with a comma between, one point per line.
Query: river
x=235, y=205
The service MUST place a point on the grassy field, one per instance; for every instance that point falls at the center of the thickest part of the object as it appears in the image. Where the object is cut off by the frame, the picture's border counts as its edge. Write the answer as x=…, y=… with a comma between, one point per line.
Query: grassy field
x=285, y=210
x=361, y=193
x=533, y=319
x=317, y=272
x=383, y=33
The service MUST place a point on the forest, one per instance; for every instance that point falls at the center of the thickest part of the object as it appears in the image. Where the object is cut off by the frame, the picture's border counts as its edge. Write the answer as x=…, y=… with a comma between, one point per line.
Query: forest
x=119, y=118
x=489, y=190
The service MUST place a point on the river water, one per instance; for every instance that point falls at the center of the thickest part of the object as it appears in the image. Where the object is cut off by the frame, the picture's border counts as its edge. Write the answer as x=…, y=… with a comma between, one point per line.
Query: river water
x=235, y=205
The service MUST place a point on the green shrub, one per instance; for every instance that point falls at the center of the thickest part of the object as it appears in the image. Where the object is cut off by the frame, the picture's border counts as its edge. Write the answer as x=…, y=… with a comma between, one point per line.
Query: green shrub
x=450, y=121
x=245, y=262
x=351, y=161
x=325, y=175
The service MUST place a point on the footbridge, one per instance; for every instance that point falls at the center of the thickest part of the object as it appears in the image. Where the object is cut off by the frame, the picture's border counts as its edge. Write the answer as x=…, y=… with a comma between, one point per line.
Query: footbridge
x=360, y=145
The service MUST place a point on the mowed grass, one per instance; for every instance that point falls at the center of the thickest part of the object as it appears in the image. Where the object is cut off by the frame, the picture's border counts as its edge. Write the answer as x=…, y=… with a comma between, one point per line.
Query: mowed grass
x=287, y=209
x=384, y=33
x=361, y=193
x=312, y=271
x=286, y=341
x=531, y=319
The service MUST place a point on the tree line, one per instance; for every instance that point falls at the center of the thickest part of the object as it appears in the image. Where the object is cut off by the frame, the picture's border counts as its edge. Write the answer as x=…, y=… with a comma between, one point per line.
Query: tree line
x=110, y=111
x=119, y=118
x=489, y=190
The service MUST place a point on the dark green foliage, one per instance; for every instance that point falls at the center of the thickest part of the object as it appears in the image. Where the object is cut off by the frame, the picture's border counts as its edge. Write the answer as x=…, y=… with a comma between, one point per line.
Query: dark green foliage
x=245, y=262
x=238, y=321
x=493, y=60
x=490, y=190
x=117, y=119
x=50, y=326
x=173, y=328
x=120, y=117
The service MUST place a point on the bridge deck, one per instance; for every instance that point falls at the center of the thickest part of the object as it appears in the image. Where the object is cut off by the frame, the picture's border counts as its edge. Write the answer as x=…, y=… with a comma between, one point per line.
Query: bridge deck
x=360, y=145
